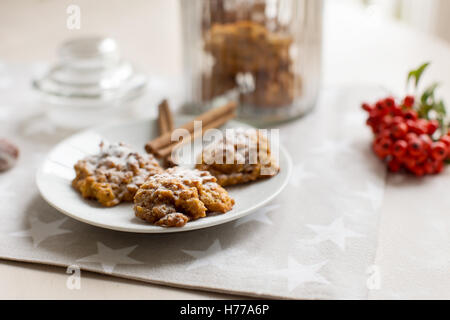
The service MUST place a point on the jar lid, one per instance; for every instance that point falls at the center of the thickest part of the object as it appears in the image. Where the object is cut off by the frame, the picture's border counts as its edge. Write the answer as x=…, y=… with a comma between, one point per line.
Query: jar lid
x=91, y=69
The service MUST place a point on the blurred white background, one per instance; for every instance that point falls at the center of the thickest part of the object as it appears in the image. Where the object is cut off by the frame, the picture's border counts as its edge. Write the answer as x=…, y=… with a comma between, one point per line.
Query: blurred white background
x=365, y=41
x=431, y=16
x=33, y=28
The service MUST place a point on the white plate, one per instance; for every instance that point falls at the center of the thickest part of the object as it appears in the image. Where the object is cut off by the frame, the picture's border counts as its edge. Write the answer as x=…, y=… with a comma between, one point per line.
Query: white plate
x=56, y=173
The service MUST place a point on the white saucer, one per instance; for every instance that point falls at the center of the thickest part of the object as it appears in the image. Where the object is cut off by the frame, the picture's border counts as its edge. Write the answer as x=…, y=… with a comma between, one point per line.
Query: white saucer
x=56, y=173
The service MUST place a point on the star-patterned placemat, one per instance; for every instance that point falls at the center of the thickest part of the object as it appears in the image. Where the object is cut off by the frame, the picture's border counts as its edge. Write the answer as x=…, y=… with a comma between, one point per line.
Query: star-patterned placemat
x=316, y=240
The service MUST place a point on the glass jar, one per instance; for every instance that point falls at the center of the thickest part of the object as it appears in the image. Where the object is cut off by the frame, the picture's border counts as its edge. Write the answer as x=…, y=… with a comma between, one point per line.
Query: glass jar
x=265, y=54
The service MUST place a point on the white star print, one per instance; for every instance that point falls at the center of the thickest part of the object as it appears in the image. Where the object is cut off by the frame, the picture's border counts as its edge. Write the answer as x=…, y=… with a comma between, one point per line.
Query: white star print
x=215, y=256
x=299, y=174
x=109, y=258
x=260, y=215
x=40, y=231
x=298, y=274
x=373, y=193
x=336, y=232
x=206, y=257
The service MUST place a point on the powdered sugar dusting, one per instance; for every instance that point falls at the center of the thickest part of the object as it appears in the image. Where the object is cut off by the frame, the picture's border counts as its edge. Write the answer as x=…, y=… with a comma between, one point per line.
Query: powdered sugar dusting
x=114, y=174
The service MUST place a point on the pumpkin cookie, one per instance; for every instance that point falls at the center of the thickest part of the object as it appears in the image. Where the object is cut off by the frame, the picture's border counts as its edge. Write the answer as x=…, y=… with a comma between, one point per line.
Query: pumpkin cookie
x=113, y=175
x=241, y=156
x=178, y=195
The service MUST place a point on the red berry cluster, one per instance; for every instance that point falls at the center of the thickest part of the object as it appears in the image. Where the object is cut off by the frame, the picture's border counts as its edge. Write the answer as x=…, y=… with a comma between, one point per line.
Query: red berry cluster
x=404, y=140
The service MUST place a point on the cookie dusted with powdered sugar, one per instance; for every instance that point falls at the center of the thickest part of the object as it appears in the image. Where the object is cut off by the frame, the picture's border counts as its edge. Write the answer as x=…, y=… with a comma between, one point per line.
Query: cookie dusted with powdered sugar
x=114, y=174
x=243, y=155
x=172, y=198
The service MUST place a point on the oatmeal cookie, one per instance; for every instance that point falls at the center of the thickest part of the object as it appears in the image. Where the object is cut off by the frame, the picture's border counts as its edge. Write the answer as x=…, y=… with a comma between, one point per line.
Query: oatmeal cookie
x=113, y=175
x=241, y=156
x=248, y=47
x=178, y=195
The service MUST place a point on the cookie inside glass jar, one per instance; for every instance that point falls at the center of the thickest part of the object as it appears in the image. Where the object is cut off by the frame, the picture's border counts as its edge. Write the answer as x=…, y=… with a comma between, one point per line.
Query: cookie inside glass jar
x=264, y=54
x=249, y=49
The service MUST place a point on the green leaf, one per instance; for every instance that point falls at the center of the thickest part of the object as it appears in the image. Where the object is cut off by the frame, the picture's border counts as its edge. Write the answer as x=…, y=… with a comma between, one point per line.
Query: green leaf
x=439, y=107
x=429, y=94
x=424, y=110
x=442, y=126
x=417, y=74
x=429, y=107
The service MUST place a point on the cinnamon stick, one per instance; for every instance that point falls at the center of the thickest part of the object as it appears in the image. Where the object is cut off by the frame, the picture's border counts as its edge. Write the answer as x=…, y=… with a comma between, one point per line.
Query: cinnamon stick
x=216, y=123
x=212, y=115
x=165, y=119
x=165, y=124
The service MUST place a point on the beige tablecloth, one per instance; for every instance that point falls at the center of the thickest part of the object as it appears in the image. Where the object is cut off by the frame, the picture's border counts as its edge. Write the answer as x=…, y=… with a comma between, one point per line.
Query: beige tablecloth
x=316, y=240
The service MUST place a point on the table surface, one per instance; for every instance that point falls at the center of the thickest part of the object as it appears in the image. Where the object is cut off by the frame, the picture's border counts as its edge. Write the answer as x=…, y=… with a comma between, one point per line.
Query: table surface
x=359, y=49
